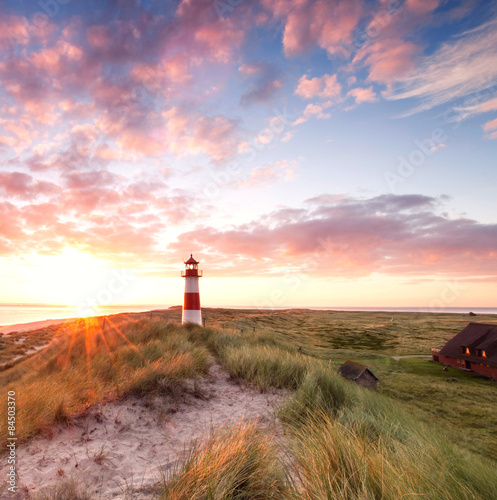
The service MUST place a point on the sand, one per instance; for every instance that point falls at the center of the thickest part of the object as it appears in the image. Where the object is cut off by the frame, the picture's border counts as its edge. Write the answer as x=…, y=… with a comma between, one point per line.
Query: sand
x=121, y=449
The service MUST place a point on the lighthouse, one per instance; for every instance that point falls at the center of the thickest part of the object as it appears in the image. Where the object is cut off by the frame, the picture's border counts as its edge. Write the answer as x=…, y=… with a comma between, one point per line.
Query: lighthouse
x=191, y=308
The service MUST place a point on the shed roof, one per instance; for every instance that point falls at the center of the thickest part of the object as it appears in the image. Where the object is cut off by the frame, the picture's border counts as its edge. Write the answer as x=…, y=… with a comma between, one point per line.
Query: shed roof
x=476, y=336
x=353, y=371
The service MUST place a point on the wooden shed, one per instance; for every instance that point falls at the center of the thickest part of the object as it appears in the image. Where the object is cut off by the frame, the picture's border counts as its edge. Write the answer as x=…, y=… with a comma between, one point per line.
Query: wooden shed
x=360, y=374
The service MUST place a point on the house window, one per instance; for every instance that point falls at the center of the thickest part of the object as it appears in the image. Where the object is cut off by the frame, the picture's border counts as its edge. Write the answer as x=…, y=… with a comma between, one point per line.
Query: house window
x=481, y=353
x=465, y=350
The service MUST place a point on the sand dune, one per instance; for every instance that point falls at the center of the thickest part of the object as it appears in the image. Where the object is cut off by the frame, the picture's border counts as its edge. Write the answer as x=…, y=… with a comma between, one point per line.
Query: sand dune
x=122, y=448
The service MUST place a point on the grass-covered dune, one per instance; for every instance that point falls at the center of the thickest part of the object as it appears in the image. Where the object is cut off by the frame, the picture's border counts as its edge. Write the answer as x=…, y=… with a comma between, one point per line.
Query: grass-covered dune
x=340, y=441
x=99, y=360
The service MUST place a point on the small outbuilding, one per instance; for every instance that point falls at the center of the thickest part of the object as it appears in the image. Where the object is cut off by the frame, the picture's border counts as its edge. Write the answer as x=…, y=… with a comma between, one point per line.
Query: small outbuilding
x=360, y=374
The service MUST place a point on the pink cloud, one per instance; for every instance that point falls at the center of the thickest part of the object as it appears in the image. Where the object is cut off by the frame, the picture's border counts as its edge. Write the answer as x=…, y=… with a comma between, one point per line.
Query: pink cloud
x=204, y=33
x=422, y=6
x=327, y=24
x=85, y=180
x=388, y=59
x=267, y=174
x=326, y=87
x=250, y=69
x=221, y=38
x=361, y=95
x=98, y=36
x=491, y=125
x=141, y=143
x=14, y=30
x=314, y=110
x=23, y=185
x=160, y=76
x=349, y=237
x=194, y=134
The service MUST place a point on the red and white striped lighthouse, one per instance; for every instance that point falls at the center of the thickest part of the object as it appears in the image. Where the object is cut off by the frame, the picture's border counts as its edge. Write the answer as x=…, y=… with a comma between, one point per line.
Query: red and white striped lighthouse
x=191, y=308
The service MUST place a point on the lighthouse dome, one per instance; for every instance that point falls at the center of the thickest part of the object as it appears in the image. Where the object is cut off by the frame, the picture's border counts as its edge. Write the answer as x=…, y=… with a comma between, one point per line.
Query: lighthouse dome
x=191, y=260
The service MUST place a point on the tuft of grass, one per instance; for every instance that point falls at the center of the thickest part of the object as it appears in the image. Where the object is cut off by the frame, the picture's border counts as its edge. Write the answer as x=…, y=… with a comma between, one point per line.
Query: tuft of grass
x=265, y=366
x=68, y=489
x=339, y=461
x=320, y=391
x=237, y=462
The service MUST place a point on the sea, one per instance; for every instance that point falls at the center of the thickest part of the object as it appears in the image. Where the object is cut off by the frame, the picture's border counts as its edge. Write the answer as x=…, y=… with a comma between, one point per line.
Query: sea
x=12, y=314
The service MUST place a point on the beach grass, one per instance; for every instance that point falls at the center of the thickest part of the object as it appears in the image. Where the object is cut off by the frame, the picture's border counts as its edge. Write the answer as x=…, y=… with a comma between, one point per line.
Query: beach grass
x=99, y=362
x=235, y=462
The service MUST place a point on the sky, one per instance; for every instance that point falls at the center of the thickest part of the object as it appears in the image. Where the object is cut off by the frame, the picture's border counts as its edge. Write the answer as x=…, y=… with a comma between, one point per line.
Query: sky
x=317, y=153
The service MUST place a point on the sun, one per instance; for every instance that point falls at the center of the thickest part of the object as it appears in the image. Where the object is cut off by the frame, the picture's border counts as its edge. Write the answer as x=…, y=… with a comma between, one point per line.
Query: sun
x=70, y=278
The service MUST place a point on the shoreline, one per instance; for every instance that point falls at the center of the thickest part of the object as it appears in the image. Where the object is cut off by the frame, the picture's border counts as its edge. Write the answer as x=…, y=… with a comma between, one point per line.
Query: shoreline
x=33, y=325
x=36, y=325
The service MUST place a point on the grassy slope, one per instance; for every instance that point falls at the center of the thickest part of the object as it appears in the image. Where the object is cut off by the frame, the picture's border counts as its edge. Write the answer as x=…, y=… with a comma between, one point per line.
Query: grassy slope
x=465, y=408
x=345, y=442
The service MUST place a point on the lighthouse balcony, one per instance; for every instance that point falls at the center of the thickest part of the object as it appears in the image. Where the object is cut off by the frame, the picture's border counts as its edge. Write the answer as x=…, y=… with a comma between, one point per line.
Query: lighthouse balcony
x=191, y=272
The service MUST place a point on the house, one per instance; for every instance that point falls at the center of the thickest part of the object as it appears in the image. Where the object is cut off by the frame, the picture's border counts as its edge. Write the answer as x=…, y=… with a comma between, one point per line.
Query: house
x=360, y=374
x=473, y=348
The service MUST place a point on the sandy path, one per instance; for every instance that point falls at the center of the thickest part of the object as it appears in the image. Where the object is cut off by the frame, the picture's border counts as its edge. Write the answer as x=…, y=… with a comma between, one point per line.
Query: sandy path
x=120, y=448
x=397, y=358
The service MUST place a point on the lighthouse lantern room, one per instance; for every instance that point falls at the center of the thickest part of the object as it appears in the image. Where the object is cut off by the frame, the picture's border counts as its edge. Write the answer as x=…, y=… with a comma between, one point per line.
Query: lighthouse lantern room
x=191, y=307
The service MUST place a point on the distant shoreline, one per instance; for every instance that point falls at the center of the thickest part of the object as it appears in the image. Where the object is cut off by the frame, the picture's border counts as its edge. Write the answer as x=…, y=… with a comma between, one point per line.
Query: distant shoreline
x=34, y=325
x=43, y=323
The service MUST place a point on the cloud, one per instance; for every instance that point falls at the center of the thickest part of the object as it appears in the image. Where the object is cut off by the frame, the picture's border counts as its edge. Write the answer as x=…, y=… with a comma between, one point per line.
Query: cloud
x=361, y=95
x=288, y=136
x=422, y=6
x=267, y=81
x=389, y=59
x=269, y=173
x=491, y=129
x=314, y=110
x=459, y=68
x=326, y=23
x=23, y=185
x=191, y=133
x=492, y=125
x=343, y=236
x=326, y=87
